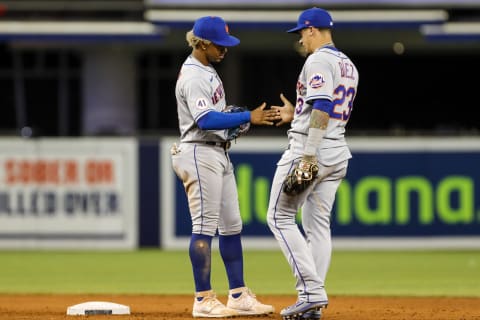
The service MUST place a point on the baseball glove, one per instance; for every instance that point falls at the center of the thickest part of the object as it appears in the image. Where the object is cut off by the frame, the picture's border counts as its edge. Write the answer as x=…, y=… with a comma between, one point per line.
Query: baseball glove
x=301, y=177
x=234, y=133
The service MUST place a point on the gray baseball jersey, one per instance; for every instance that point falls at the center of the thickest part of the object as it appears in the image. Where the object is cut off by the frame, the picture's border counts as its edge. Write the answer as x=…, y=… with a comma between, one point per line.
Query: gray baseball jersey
x=199, y=90
x=205, y=170
x=326, y=74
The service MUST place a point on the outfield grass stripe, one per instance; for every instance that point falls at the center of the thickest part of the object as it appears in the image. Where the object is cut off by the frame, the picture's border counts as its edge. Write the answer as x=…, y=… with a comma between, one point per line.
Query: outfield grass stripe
x=394, y=273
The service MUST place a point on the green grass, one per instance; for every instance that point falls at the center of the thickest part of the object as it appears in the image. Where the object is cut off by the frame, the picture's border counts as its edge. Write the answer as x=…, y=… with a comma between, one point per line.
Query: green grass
x=415, y=273
x=394, y=273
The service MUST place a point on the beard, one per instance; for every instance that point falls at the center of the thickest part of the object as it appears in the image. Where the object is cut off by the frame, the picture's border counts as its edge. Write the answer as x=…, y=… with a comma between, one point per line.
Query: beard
x=300, y=49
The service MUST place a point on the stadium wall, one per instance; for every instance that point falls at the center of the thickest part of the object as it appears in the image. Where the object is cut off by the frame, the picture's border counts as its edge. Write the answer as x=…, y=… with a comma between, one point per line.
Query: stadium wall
x=121, y=193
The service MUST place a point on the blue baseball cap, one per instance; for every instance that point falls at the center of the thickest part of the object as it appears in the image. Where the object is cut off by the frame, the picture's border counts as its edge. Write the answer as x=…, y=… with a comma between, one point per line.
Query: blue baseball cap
x=214, y=29
x=314, y=17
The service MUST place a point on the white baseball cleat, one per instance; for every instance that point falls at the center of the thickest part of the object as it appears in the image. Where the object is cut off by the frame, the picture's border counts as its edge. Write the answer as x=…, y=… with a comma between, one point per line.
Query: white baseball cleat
x=244, y=301
x=207, y=305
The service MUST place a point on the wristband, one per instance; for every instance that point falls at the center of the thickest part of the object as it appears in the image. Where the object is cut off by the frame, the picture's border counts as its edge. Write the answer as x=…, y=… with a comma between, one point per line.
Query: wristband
x=315, y=136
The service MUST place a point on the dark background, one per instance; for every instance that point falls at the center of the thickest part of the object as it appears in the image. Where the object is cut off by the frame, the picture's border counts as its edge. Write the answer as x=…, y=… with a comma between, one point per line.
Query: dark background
x=428, y=88
x=409, y=94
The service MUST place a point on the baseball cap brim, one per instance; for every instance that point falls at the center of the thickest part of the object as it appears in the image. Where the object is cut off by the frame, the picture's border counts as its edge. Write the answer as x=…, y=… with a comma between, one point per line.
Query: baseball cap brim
x=296, y=29
x=228, y=41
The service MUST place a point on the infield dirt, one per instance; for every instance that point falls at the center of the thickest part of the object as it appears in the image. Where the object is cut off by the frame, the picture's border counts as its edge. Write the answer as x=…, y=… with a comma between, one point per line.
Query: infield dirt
x=158, y=307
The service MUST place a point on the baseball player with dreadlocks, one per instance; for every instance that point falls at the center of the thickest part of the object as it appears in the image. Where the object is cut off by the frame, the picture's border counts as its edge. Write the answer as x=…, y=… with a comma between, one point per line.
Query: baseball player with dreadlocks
x=202, y=162
x=310, y=171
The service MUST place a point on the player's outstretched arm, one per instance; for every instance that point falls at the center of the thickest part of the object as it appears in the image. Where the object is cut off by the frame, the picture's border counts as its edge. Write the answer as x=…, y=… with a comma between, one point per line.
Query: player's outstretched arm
x=260, y=116
x=286, y=111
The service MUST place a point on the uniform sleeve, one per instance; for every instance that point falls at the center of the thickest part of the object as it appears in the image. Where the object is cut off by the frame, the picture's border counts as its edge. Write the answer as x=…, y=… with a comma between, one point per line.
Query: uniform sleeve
x=198, y=95
x=319, y=75
x=215, y=120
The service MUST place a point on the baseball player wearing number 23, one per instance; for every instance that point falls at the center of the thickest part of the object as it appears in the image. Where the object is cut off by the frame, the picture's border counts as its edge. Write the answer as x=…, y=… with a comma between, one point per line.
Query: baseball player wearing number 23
x=311, y=169
x=202, y=162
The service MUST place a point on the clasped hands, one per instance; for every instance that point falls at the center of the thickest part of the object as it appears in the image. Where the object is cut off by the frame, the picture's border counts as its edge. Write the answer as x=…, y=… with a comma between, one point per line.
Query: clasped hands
x=277, y=115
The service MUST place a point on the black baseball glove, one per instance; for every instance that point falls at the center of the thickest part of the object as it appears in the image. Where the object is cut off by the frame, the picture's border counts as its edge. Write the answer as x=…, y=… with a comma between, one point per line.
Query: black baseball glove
x=234, y=133
x=301, y=177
